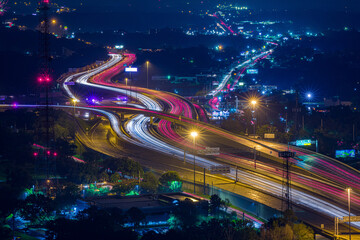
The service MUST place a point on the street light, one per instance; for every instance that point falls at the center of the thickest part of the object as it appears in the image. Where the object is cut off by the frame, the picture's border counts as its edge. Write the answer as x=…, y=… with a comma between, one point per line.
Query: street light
x=194, y=135
x=254, y=102
x=74, y=100
x=147, y=74
x=126, y=81
x=349, y=199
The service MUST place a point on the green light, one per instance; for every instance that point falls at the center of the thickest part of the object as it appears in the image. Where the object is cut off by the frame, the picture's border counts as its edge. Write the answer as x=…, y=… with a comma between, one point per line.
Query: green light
x=175, y=186
x=168, y=77
x=132, y=193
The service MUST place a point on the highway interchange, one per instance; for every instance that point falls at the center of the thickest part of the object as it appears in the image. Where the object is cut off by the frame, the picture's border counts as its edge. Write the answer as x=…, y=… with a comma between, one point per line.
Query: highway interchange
x=156, y=132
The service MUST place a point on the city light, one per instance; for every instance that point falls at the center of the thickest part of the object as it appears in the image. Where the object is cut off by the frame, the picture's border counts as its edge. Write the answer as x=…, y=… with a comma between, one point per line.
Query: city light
x=3, y=7
x=194, y=134
x=219, y=48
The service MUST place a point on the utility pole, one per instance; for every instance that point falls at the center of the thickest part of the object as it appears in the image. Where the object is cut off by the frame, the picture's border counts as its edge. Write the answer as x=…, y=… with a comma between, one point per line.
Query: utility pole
x=255, y=157
x=349, y=200
x=204, y=182
x=147, y=74
x=296, y=110
x=236, y=177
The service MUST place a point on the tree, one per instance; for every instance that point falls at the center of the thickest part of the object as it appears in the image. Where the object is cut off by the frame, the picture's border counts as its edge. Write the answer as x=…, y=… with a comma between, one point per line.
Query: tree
x=136, y=216
x=266, y=129
x=37, y=208
x=216, y=203
x=104, y=176
x=67, y=195
x=126, y=166
x=115, y=178
x=186, y=214
x=168, y=179
x=276, y=231
x=91, y=156
x=150, y=183
x=19, y=178
x=124, y=187
x=286, y=228
x=92, y=223
x=302, y=232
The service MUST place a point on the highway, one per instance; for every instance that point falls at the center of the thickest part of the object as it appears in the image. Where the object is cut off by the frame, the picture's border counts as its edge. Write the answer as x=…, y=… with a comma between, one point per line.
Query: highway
x=224, y=82
x=315, y=187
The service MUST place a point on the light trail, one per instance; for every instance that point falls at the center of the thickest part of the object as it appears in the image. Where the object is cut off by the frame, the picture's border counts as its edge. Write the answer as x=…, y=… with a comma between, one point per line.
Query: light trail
x=138, y=129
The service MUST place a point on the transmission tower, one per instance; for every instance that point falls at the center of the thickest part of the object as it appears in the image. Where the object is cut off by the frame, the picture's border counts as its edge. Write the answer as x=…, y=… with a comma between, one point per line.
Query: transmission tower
x=45, y=158
x=286, y=180
x=286, y=186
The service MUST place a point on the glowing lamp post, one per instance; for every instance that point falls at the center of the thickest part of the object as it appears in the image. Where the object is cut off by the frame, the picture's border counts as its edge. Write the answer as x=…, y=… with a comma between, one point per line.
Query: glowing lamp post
x=253, y=103
x=349, y=200
x=74, y=100
x=194, y=135
x=147, y=74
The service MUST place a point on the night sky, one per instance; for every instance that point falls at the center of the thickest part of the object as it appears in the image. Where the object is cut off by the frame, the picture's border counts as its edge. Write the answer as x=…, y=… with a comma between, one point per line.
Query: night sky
x=339, y=5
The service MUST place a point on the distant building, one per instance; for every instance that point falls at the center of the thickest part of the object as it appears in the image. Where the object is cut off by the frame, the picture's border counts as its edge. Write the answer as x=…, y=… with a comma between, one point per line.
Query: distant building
x=157, y=208
x=330, y=102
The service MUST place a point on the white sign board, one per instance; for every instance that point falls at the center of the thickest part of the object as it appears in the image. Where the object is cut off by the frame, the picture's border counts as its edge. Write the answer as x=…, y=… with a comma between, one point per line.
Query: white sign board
x=210, y=151
x=131, y=69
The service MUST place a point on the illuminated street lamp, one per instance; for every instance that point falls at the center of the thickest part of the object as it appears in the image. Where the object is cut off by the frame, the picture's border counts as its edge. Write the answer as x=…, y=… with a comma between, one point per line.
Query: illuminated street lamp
x=74, y=100
x=349, y=199
x=309, y=96
x=126, y=82
x=147, y=74
x=194, y=135
x=253, y=103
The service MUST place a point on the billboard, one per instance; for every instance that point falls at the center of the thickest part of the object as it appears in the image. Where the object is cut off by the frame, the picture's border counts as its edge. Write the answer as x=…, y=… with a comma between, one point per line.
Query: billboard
x=345, y=153
x=306, y=142
x=131, y=69
x=210, y=151
x=286, y=154
x=252, y=71
x=219, y=169
x=269, y=135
